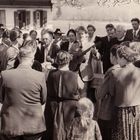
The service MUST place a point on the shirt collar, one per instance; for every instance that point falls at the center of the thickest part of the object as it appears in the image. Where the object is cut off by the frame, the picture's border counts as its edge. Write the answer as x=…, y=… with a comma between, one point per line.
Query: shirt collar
x=136, y=31
x=65, y=68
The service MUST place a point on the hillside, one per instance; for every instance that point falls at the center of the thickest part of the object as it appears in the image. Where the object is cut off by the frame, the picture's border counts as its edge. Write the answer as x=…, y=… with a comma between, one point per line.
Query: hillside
x=92, y=11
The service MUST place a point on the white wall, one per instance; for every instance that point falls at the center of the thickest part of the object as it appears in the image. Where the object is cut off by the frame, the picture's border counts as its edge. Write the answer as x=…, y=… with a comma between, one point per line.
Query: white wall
x=9, y=14
x=9, y=18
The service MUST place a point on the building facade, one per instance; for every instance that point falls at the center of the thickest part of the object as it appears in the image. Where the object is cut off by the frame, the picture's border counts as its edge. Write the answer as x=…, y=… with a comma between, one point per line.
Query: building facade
x=25, y=14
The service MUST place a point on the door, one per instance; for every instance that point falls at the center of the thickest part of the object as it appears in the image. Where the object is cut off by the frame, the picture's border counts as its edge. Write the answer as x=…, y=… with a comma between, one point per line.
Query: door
x=22, y=18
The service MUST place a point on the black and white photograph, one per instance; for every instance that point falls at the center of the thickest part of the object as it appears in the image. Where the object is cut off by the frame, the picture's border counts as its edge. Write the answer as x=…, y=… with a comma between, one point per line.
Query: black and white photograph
x=69, y=69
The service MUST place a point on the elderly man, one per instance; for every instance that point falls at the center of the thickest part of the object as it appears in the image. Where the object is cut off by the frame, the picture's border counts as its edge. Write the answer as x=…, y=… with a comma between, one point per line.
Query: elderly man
x=121, y=34
x=42, y=51
x=23, y=92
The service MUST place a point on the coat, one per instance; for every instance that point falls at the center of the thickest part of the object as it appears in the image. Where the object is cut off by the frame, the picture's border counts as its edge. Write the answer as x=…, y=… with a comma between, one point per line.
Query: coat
x=129, y=35
x=104, y=49
x=23, y=94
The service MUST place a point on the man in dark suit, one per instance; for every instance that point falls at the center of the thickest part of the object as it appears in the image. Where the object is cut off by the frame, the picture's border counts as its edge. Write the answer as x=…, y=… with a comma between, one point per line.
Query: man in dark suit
x=23, y=91
x=42, y=51
x=104, y=44
x=134, y=34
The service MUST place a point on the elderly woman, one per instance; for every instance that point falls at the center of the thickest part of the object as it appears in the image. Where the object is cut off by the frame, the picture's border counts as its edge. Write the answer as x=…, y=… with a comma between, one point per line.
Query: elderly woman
x=63, y=95
x=125, y=87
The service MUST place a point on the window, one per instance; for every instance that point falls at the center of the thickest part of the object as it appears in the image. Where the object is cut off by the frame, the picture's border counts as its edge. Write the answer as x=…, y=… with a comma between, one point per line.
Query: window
x=2, y=17
x=22, y=18
x=40, y=18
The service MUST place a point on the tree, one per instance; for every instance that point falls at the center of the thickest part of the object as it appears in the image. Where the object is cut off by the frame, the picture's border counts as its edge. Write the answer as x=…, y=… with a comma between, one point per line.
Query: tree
x=73, y=3
x=60, y=3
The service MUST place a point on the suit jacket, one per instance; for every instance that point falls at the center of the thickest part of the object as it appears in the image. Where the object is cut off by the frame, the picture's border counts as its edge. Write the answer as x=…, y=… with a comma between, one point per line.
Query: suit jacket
x=129, y=35
x=104, y=46
x=23, y=93
x=65, y=46
x=39, y=55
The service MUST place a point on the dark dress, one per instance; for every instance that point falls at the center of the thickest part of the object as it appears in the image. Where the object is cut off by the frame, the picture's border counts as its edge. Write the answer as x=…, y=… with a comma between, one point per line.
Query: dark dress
x=61, y=103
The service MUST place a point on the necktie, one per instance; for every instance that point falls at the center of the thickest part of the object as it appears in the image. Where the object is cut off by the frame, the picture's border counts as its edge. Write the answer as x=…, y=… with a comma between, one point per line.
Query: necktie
x=134, y=35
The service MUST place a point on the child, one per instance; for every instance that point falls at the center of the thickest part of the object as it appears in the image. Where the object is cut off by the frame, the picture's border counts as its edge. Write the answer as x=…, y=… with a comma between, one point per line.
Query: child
x=83, y=127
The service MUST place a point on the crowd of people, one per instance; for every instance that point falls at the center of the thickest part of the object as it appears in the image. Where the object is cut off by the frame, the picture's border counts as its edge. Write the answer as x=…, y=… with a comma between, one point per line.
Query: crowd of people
x=70, y=86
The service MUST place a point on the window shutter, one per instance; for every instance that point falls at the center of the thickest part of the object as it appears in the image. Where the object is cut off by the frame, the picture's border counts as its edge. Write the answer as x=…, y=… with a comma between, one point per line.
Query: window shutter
x=34, y=18
x=16, y=19
x=2, y=17
x=28, y=18
x=44, y=17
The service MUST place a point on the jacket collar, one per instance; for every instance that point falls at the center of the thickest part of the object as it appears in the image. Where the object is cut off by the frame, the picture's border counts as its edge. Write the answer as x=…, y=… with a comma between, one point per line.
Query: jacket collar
x=24, y=66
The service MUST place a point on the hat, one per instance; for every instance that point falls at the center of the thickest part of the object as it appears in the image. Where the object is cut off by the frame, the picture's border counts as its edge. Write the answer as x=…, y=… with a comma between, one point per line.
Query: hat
x=58, y=31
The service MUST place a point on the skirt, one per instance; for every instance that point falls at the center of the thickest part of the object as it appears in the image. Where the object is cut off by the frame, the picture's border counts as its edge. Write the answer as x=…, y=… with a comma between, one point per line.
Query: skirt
x=126, y=123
